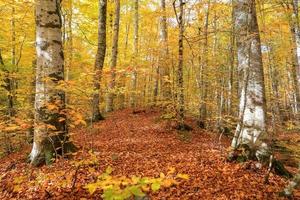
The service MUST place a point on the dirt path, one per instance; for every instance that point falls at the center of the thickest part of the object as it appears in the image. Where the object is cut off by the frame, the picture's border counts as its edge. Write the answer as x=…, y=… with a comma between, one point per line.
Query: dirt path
x=142, y=144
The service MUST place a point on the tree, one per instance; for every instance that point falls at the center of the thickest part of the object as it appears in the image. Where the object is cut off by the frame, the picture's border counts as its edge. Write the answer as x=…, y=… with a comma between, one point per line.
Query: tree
x=180, y=85
x=99, y=63
x=252, y=108
x=203, y=71
x=114, y=58
x=50, y=131
x=295, y=30
x=163, y=67
x=135, y=54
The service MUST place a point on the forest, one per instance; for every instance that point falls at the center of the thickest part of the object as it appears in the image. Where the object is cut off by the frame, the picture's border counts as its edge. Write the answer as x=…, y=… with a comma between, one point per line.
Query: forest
x=149, y=99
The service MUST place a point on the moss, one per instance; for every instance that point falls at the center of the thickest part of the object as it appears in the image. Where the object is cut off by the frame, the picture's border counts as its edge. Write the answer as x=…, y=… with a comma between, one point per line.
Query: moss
x=280, y=169
x=49, y=157
x=245, y=153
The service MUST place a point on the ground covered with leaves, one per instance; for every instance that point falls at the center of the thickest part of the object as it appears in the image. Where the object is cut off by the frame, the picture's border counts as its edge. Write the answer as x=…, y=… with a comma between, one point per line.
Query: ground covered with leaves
x=143, y=155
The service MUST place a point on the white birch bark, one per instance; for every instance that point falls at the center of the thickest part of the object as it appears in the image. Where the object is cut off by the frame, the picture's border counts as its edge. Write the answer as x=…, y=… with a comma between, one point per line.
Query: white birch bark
x=252, y=125
x=49, y=71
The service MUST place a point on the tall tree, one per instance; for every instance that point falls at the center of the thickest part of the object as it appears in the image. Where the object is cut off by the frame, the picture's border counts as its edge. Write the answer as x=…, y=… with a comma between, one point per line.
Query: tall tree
x=99, y=62
x=231, y=56
x=295, y=30
x=114, y=58
x=252, y=107
x=163, y=58
x=135, y=54
x=203, y=71
x=180, y=84
x=50, y=131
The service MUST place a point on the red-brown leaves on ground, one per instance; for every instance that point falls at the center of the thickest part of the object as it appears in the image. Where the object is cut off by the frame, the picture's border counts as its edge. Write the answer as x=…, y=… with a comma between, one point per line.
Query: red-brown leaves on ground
x=139, y=144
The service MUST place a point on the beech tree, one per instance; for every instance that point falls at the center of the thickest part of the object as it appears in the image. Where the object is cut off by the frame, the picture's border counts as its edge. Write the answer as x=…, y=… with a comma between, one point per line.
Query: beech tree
x=164, y=69
x=252, y=108
x=99, y=62
x=180, y=85
x=114, y=58
x=135, y=54
x=50, y=130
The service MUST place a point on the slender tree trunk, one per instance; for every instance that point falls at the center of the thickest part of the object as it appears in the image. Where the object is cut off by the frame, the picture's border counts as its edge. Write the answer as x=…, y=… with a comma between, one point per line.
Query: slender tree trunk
x=70, y=39
x=50, y=132
x=113, y=62
x=135, y=58
x=100, y=57
x=203, y=72
x=163, y=59
x=252, y=125
x=180, y=85
x=12, y=82
x=231, y=67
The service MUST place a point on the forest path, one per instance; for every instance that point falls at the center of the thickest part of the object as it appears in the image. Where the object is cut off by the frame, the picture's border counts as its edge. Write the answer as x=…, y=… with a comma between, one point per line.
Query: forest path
x=141, y=144
x=144, y=144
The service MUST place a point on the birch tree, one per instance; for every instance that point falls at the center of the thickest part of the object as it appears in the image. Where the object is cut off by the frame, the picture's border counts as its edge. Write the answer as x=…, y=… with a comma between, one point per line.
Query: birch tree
x=252, y=113
x=295, y=30
x=114, y=57
x=50, y=130
x=99, y=62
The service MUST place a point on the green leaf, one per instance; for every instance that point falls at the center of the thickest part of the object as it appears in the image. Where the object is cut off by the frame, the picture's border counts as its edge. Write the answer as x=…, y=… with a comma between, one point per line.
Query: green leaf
x=136, y=191
x=155, y=186
x=108, y=194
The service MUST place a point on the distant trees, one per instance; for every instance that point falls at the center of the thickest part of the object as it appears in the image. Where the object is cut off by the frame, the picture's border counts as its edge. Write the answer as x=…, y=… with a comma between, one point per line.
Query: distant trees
x=99, y=62
x=252, y=108
x=50, y=131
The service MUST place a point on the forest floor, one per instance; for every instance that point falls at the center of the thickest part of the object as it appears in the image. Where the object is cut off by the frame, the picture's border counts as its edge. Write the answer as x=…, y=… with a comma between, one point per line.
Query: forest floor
x=144, y=145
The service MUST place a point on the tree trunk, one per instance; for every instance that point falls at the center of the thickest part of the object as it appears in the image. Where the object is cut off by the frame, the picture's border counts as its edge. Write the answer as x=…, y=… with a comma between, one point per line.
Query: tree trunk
x=136, y=51
x=100, y=57
x=113, y=62
x=180, y=85
x=164, y=68
x=252, y=113
x=50, y=132
x=69, y=42
x=295, y=29
x=12, y=82
x=203, y=72
x=231, y=68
